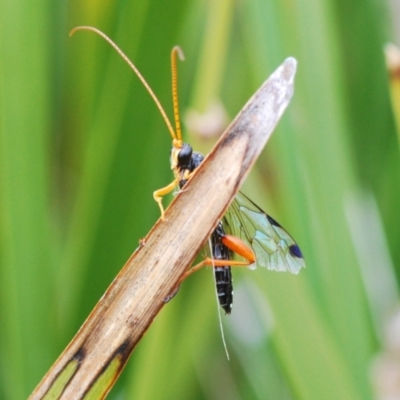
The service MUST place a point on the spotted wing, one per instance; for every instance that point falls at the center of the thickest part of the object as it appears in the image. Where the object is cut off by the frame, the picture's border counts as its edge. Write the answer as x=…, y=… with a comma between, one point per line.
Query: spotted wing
x=274, y=248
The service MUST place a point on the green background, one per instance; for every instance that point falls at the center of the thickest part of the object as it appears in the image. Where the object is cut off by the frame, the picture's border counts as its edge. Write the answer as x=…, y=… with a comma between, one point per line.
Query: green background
x=82, y=148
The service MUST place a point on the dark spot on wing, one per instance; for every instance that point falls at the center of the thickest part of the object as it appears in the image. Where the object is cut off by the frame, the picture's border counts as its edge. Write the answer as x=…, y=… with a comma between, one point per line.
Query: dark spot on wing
x=273, y=222
x=294, y=250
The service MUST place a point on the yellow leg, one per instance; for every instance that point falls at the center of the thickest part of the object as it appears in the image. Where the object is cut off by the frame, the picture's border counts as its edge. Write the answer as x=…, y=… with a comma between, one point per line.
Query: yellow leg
x=158, y=195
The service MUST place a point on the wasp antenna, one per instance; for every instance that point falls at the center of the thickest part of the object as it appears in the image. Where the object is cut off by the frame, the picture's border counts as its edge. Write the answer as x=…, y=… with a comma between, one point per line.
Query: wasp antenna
x=135, y=70
x=176, y=51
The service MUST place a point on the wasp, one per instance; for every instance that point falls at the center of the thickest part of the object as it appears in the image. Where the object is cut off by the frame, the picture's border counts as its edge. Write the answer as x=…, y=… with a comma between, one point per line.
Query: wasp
x=245, y=230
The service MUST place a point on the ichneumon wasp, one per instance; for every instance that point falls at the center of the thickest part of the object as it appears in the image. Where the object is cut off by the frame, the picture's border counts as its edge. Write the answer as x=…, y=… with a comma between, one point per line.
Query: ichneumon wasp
x=245, y=229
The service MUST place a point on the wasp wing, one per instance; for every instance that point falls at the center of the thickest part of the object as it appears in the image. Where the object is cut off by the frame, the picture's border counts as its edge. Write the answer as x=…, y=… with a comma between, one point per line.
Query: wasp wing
x=274, y=248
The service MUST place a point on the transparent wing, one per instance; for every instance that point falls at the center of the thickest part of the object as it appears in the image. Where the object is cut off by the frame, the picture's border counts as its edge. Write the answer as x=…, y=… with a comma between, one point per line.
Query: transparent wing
x=274, y=248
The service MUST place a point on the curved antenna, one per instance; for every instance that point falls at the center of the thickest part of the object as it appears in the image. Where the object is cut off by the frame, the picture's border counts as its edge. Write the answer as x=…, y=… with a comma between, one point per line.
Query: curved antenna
x=176, y=51
x=135, y=70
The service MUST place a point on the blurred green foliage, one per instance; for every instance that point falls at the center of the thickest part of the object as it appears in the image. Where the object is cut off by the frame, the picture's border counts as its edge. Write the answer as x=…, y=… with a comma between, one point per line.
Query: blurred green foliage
x=82, y=148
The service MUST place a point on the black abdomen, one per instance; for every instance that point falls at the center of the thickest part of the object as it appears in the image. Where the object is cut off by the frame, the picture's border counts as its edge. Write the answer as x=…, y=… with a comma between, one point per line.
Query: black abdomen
x=223, y=275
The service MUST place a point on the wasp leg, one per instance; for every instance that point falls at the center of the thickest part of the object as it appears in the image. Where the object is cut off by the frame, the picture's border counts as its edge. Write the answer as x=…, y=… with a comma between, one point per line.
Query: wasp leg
x=158, y=195
x=206, y=262
x=215, y=263
x=237, y=246
x=234, y=244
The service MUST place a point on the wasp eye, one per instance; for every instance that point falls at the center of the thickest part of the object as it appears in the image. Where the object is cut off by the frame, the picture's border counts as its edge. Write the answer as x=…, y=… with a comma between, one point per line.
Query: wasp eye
x=184, y=155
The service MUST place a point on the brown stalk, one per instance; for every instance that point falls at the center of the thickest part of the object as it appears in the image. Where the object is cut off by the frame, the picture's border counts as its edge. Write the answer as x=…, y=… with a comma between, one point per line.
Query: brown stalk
x=97, y=354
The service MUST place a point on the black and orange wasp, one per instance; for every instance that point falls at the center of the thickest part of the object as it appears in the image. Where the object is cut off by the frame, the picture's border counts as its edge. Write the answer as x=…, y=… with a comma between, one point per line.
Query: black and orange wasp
x=245, y=230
